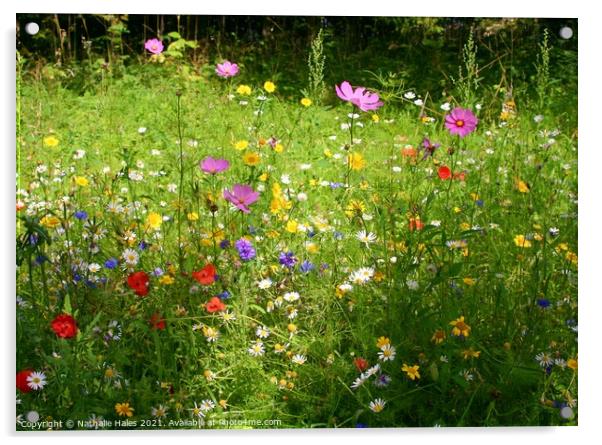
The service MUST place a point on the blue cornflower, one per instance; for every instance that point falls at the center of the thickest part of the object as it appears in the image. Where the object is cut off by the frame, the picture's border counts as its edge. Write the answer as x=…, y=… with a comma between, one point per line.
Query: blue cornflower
x=111, y=263
x=288, y=259
x=246, y=252
x=306, y=266
x=81, y=215
x=543, y=303
x=224, y=244
x=224, y=295
x=142, y=245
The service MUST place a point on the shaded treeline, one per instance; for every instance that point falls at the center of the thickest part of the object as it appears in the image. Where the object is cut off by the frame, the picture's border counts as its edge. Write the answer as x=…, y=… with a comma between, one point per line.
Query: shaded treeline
x=424, y=53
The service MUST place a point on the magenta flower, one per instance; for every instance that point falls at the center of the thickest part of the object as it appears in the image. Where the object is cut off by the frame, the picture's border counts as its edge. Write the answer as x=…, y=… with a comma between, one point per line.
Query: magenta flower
x=226, y=69
x=213, y=166
x=242, y=196
x=461, y=121
x=155, y=46
x=359, y=97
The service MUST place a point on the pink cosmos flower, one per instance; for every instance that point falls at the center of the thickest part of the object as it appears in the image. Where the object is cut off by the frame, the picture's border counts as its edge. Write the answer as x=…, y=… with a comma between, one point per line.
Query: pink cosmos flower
x=213, y=166
x=226, y=69
x=242, y=196
x=155, y=46
x=461, y=121
x=359, y=97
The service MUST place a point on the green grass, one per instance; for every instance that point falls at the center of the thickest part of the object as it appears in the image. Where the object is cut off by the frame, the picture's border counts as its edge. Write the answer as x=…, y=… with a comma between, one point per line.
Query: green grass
x=425, y=287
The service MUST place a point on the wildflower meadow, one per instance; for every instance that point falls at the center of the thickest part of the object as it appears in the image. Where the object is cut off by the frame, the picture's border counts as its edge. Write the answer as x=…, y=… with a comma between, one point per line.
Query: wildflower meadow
x=206, y=239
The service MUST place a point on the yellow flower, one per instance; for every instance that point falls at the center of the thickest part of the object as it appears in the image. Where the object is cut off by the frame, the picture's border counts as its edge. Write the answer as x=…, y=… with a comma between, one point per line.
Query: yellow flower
x=263, y=177
x=51, y=141
x=167, y=279
x=355, y=208
x=154, y=221
x=521, y=241
x=50, y=221
x=470, y=353
x=81, y=181
x=278, y=148
x=460, y=327
x=438, y=336
x=241, y=145
x=251, y=158
x=124, y=409
x=327, y=153
x=223, y=403
x=522, y=186
x=469, y=281
x=382, y=341
x=356, y=161
x=208, y=374
x=193, y=216
x=312, y=248
x=306, y=102
x=269, y=86
x=572, y=363
x=411, y=371
x=292, y=328
x=572, y=257
x=244, y=90
x=375, y=118
x=291, y=226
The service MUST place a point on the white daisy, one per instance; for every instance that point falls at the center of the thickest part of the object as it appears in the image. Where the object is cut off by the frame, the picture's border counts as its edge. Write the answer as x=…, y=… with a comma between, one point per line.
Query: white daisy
x=377, y=405
x=291, y=296
x=387, y=353
x=365, y=237
x=36, y=380
x=130, y=256
x=256, y=349
x=207, y=405
x=299, y=359
x=266, y=283
x=262, y=332
x=544, y=359
x=160, y=411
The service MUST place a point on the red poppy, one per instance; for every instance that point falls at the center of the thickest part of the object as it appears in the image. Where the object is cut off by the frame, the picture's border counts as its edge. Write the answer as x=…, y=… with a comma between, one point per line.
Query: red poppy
x=416, y=224
x=206, y=275
x=22, y=380
x=360, y=363
x=444, y=172
x=64, y=326
x=215, y=305
x=138, y=282
x=157, y=322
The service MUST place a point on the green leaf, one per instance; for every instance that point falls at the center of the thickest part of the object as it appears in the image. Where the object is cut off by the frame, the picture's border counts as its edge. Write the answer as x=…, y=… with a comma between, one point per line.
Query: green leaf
x=67, y=305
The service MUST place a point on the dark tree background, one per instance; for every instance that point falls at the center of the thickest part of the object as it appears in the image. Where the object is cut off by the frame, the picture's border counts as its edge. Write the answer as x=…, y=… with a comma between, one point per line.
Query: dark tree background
x=424, y=53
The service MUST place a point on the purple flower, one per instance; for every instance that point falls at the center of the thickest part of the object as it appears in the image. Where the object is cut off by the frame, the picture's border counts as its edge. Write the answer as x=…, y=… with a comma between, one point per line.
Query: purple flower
x=287, y=259
x=359, y=97
x=242, y=196
x=461, y=121
x=224, y=244
x=213, y=166
x=429, y=147
x=246, y=252
x=81, y=215
x=155, y=46
x=226, y=69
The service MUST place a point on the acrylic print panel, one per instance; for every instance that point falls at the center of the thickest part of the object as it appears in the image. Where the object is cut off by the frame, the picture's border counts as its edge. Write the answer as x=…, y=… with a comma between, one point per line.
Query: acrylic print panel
x=295, y=222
